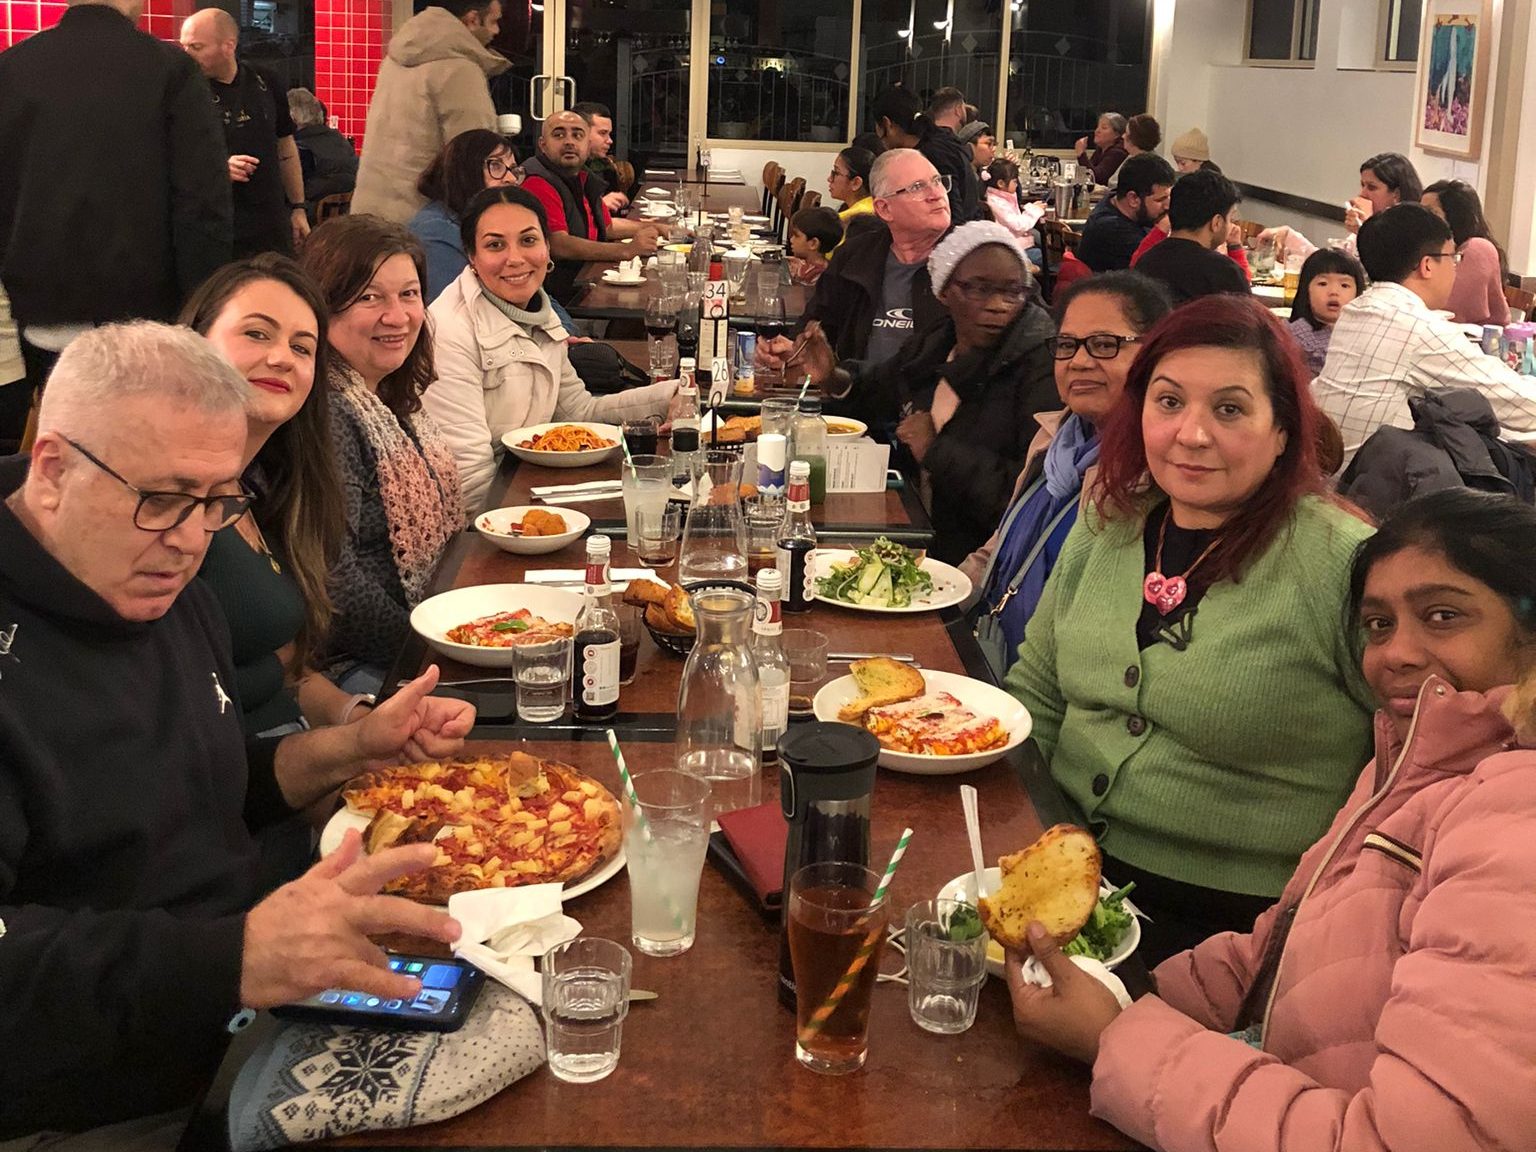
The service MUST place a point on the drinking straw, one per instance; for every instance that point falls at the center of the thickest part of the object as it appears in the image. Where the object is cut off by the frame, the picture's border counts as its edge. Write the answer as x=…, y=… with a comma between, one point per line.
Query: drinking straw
x=633, y=471
x=866, y=950
x=804, y=388
x=627, y=783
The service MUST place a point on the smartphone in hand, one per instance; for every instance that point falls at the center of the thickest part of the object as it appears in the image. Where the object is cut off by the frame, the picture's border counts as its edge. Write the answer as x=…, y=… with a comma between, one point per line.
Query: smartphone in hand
x=449, y=988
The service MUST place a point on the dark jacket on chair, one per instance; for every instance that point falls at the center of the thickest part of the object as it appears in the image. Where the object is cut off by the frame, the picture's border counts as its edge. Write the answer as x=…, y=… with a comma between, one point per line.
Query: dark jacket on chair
x=1454, y=442
x=114, y=180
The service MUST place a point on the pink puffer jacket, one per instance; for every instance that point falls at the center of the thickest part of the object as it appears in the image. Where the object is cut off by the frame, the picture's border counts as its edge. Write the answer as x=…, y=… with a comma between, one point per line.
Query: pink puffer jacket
x=1403, y=1015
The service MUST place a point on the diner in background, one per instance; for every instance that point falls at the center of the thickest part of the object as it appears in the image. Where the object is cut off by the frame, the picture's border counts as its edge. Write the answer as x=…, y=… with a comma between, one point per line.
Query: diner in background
x=501, y=354
x=266, y=177
x=469, y=163
x=1108, y=147
x=1389, y=345
x=269, y=569
x=1478, y=294
x=1116, y=228
x=1191, y=151
x=813, y=234
x=1329, y=279
x=599, y=118
x=1142, y=134
x=137, y=920
x=849, y=183
x=399, y=481
x=1386, y=179
x=979, y=138
x=1192, y=262
x=1383, y=1001
x=431, y=86
x=1207, y=581
x=327, y=157
x=900, y=122
x=146, y=168
x=1100, y=322
x=580, y=226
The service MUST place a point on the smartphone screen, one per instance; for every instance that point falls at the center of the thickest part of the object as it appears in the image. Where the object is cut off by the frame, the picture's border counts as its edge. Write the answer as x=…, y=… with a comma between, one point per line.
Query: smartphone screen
x=448, y=991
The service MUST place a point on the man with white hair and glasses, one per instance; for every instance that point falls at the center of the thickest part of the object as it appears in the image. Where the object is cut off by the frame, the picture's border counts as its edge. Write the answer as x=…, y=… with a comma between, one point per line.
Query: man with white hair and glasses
x=875, y=292
x=134, y=921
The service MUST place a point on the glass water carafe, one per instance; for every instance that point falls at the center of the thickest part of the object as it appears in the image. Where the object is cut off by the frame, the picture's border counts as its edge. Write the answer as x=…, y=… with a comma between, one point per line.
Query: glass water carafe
x=714, y=544
x=719, y=725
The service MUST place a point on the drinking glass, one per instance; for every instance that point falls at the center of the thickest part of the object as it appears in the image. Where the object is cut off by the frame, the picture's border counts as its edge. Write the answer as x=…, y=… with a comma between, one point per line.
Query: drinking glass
x=657, y=532
x=944, y=976
x=777, y=413
x=586, y=997
x=763, y=519
x=542, y=673
x=630, y=616
x=836, y=932
x=664, y=843
x=734, y=264
x=661, y=326
x=646, y=482
x=695, y=292
x=640, y=435
x=806, y=651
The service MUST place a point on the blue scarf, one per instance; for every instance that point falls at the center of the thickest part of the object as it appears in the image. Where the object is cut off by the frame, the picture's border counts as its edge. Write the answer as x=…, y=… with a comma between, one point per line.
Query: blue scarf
x=1072, y=451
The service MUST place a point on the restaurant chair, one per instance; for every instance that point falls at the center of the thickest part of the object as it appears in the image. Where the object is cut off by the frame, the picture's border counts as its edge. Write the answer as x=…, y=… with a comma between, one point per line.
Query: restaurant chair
x=773, y=180
x=1519, y=300
x=810, y=199
x=1058, y=239
x=336, y=204
x=789, y=204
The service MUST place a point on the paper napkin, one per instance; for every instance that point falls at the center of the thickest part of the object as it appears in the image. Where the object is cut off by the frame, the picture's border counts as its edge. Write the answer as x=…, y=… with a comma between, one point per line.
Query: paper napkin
x=1037, y=975
x=506, y=929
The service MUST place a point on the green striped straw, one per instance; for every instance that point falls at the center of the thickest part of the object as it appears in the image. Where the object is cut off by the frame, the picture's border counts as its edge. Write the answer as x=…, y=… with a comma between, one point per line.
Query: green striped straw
x=627, y=782
x=806, y=387
x=866, y=950
x=630, y=460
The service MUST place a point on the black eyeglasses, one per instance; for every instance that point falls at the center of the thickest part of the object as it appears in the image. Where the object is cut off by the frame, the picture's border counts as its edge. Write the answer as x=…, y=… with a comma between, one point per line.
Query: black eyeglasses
x=836, y=171
x=499, y=169
x=163, y=511
x=980, y=291
x=1101, y=345
x=941, y=182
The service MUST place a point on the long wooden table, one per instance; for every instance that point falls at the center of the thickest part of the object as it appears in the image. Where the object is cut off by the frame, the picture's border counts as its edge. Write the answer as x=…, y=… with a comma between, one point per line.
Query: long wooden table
x=710, y=1063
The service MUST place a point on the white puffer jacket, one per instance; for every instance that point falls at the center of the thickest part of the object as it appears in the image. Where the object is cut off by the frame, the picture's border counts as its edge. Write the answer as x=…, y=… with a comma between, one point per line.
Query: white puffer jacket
x=494, y=375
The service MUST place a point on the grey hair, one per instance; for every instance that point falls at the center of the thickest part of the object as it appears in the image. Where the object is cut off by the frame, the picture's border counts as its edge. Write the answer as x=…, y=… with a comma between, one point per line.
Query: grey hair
x=106, y=366
x=305, y=108
x=883, y=163
x=1116, y=121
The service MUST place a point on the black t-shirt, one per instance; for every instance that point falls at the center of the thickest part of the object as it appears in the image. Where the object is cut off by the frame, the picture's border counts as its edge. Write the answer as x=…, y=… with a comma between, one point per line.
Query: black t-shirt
x=1190, y=271
x=254, y=111
x=1181, y=548
x=1109, y=239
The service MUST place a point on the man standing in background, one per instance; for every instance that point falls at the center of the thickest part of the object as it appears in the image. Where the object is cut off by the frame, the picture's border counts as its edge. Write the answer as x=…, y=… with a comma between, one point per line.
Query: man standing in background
x=264, y=170
x=432, y=85
x=114, y=202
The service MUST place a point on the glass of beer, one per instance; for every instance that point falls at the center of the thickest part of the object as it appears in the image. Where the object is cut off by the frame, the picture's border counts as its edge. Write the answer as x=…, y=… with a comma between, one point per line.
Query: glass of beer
x=836, y=934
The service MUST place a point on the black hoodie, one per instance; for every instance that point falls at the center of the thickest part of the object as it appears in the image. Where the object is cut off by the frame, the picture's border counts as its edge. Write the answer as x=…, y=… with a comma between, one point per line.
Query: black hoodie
x=126, y=864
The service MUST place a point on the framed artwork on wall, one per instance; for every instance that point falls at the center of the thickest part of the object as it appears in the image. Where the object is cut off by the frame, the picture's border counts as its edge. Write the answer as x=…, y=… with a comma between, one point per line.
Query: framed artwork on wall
x=1454, y=59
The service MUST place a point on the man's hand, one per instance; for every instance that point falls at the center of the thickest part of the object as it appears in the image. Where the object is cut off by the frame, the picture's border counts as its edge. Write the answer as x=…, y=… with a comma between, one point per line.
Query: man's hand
x=300, y=221
x=772, y=353
x=646, y=237
x=242, y=168
x=812, y=356
x=414, y=725
x=1072, y=1013
x=615, y=202
x=313, y=934
x=918, y=433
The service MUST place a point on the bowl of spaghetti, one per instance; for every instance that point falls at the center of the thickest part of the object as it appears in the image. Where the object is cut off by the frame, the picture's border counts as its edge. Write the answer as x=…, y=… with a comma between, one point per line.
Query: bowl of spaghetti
x=563, y=445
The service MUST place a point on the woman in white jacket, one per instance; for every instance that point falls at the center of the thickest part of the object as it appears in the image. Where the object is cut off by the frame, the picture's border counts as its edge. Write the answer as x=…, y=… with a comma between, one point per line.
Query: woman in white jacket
x=501, y=353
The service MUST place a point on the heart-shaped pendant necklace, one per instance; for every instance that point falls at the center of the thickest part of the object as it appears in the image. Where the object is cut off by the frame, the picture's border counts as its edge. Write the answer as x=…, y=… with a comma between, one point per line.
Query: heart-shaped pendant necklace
x=1165, y=593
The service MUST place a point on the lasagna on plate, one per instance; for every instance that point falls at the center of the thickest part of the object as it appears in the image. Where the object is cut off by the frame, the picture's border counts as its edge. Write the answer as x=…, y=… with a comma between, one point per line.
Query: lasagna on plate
x=934, y=725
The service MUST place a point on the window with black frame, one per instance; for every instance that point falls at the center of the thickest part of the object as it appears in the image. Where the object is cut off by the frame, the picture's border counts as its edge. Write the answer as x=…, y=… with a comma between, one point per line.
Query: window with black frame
x=1070, y=63
x=927, y=45
x=779, y=69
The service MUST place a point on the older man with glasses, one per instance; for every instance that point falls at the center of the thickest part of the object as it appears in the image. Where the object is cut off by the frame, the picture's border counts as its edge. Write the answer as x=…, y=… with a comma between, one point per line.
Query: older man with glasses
x=133, y=928
x=876, y=292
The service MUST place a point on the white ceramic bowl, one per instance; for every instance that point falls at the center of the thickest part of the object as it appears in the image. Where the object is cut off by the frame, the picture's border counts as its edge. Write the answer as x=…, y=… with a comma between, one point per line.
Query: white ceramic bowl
x=844, y=428
x=512, y=439
x=432, y=618
x=493, y=526
x=981, y=698
x=960, y=889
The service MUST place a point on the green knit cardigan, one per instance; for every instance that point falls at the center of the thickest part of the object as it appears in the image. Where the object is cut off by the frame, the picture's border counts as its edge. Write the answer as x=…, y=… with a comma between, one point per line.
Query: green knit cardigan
x=1221, y=764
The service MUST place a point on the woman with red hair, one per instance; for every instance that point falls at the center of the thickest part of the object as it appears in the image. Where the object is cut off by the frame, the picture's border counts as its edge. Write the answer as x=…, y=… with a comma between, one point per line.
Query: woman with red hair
x=1192, y=686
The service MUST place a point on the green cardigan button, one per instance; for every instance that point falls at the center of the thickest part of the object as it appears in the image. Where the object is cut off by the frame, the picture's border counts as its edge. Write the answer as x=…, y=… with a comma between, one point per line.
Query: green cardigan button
x=1100, y=784
x=1132, y=676
x=1135, y=725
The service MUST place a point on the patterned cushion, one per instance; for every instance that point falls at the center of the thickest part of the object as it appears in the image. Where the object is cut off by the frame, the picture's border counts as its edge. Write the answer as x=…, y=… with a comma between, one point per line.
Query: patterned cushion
x=312, y=1081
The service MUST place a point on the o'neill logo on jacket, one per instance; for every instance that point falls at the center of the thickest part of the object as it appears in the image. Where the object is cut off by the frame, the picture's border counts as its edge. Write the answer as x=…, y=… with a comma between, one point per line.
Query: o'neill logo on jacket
x=895, y=318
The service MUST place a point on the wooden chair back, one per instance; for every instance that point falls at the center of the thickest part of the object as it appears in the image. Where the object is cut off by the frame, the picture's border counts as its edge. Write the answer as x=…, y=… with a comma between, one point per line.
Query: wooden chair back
x=1520, y=298
x=810, y=199
x=773, y=178
x=789, y=201
x=336, y=204
x=1059, y=239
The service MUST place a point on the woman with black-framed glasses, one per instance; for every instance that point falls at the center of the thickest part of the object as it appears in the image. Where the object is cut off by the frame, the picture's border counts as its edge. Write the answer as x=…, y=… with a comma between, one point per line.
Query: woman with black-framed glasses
x=1100, y=323
x=848, y=183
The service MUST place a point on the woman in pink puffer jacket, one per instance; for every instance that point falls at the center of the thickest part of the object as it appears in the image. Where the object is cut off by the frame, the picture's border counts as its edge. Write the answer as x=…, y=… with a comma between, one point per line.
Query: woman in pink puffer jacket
x=1388, y=1000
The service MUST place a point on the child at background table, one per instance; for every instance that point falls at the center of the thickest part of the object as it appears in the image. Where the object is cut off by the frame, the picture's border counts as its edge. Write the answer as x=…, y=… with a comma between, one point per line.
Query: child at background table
x=1329, y=279
x=813, y=233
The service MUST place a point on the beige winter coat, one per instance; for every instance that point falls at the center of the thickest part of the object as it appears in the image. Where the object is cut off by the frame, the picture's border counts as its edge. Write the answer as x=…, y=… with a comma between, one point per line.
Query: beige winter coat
x=432, y=86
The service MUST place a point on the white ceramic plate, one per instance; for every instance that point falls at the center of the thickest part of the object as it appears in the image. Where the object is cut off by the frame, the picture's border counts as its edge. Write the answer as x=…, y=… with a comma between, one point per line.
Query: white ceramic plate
x=960, y=889
x=493, y=526
x=981, y=698
x=432, y=618
x=950, y=585
x=754, y=219
x=562, y=459
x=341, y=820
x=612, y=276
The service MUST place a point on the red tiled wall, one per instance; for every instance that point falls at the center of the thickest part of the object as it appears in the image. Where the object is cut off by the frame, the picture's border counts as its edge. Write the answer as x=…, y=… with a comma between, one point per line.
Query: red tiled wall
x=350, y=38
x=21, y=18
